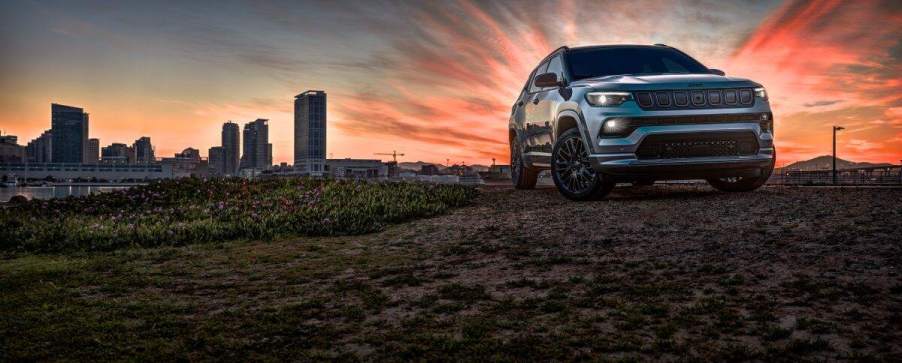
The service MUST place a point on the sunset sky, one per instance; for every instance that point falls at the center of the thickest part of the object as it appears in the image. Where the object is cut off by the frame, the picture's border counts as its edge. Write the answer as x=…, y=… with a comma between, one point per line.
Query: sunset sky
x=434, y=80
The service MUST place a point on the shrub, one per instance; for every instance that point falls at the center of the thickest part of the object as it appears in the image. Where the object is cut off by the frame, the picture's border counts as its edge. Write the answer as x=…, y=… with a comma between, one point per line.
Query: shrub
x=184, y=211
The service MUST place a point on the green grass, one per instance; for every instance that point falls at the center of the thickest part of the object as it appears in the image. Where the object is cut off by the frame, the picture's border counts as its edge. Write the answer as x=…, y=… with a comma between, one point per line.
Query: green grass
x=186, y=211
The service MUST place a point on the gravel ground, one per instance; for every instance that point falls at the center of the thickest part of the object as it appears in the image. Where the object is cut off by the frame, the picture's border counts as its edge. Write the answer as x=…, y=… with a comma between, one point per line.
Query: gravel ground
x=652, y=273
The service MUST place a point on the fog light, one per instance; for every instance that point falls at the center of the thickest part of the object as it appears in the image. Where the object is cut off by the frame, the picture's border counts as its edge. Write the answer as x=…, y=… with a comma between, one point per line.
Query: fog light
x=615, y=127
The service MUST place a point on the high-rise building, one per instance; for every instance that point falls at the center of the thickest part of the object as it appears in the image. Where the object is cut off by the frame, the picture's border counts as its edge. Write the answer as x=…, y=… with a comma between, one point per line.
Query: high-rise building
x=310, y=132
x=144, y=151
x=216, y=161
x=231, y=148
x=40, y=149
x=10, y=150
x=69, y=127
x=257, y=153
x=9, y=139
x=117, y=153
x=92, y=155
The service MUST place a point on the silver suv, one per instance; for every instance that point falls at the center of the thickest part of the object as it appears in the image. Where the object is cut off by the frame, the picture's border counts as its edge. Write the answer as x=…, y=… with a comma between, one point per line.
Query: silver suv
x=601, y=115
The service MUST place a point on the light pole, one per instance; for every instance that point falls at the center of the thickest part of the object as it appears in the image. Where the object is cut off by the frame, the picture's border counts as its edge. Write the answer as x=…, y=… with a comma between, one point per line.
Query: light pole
x=835, y=129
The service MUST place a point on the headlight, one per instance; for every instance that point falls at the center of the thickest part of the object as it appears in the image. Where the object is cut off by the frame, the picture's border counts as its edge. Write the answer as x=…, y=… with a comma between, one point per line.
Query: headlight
x=607, y=98
x=761, y=93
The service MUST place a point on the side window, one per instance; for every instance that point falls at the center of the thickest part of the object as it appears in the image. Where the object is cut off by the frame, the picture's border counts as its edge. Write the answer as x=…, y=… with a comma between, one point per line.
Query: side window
x=555, y=66
x=532, y=81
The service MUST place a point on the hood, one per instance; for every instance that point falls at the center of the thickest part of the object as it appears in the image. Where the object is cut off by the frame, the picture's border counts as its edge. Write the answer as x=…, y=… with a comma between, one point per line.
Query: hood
x=663, y=81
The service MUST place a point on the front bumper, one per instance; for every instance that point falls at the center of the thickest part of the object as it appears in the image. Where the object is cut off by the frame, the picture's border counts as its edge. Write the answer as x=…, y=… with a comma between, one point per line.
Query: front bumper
x=688, y=168
x=618, y=156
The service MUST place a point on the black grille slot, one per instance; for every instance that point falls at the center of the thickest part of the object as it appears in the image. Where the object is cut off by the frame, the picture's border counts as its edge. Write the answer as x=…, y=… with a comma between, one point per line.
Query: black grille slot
x=644, y=99
x=662, y=99
x=714, y=98
x=680, y=99
x=672, y=146
x=746, y=96
x=695, y=99
x=729, y=96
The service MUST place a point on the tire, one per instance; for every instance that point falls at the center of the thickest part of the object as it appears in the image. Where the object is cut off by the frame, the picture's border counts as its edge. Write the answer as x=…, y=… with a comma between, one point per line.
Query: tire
x=744, y=184
x=572, y=171
x=522, y=176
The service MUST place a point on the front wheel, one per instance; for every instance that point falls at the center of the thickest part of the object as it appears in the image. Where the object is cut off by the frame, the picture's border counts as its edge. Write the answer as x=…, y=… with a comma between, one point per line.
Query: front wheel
x=572, y=171
x=744, y=184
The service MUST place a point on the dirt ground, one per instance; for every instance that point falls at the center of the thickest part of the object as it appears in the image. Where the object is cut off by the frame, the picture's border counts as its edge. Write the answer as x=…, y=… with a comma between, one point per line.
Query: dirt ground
x=652, y=273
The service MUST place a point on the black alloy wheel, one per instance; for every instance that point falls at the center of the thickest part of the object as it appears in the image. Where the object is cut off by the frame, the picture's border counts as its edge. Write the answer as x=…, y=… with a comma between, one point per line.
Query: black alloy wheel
x=572, y=170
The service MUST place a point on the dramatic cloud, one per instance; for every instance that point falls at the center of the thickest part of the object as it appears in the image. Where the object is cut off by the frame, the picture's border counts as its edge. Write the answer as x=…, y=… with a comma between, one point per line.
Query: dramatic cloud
x=460, y=64
x=434, y=80
x=845, y=52
x=822, y=103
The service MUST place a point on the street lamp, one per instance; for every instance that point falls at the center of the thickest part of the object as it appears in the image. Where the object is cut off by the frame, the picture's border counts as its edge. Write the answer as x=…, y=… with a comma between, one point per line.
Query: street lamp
x=835, y=129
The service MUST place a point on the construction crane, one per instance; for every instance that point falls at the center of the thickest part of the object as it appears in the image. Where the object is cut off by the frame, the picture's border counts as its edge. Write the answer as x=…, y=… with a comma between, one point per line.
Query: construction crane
x=394, y=155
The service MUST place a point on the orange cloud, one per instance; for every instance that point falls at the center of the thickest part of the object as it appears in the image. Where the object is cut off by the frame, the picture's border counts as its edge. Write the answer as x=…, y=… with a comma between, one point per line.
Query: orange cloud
x=830, y=63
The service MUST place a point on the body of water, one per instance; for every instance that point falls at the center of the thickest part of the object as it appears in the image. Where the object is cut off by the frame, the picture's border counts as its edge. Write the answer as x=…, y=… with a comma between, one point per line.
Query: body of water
x=58, y=191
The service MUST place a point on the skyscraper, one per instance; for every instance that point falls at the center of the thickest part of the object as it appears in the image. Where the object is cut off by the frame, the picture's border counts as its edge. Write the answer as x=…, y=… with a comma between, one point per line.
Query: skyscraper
x=231, y=148
x=69, y=127
x=10, y=150
x=310, y=132
x=92, y=155
x=257, y=153
x=144, y=151
x=117, y=153
x=40, y=149
x=216, y=161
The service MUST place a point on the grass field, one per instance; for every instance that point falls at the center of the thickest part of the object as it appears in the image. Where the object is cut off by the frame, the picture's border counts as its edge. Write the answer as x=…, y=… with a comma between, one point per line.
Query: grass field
x=654, y=273
x=187, y=211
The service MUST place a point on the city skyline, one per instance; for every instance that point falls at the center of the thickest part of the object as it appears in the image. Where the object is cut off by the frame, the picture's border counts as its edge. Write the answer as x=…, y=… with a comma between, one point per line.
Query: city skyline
x=396, y=81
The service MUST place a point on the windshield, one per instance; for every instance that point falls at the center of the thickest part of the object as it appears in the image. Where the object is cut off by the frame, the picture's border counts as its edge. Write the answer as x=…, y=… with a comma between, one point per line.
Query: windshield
x=609, y=61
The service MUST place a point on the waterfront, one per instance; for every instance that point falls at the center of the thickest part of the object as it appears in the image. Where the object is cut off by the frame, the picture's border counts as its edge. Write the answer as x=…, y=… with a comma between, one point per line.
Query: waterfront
x=57, y=191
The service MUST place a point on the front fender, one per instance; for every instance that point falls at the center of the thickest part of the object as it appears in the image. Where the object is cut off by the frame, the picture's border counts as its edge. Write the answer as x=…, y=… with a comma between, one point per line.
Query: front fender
x=560, y=127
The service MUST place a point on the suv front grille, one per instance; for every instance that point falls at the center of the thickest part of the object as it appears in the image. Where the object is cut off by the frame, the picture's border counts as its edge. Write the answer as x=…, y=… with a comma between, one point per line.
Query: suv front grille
x=695, y=99
x=672, y=146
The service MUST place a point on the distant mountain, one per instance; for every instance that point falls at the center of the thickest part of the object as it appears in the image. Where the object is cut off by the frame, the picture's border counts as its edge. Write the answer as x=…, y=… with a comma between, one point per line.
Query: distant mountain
x=825, y=162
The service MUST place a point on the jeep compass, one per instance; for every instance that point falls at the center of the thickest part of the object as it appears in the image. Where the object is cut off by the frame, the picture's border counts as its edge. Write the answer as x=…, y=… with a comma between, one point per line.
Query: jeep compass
x=600, y=115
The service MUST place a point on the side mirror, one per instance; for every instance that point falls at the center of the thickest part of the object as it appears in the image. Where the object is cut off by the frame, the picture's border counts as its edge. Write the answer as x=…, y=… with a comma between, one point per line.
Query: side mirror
x=547, y=80
x=717, y=72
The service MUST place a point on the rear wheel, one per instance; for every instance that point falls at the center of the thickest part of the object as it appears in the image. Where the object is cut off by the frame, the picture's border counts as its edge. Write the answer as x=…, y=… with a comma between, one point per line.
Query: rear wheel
x=522, y=176
x=742, y=183
x=573, y=173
